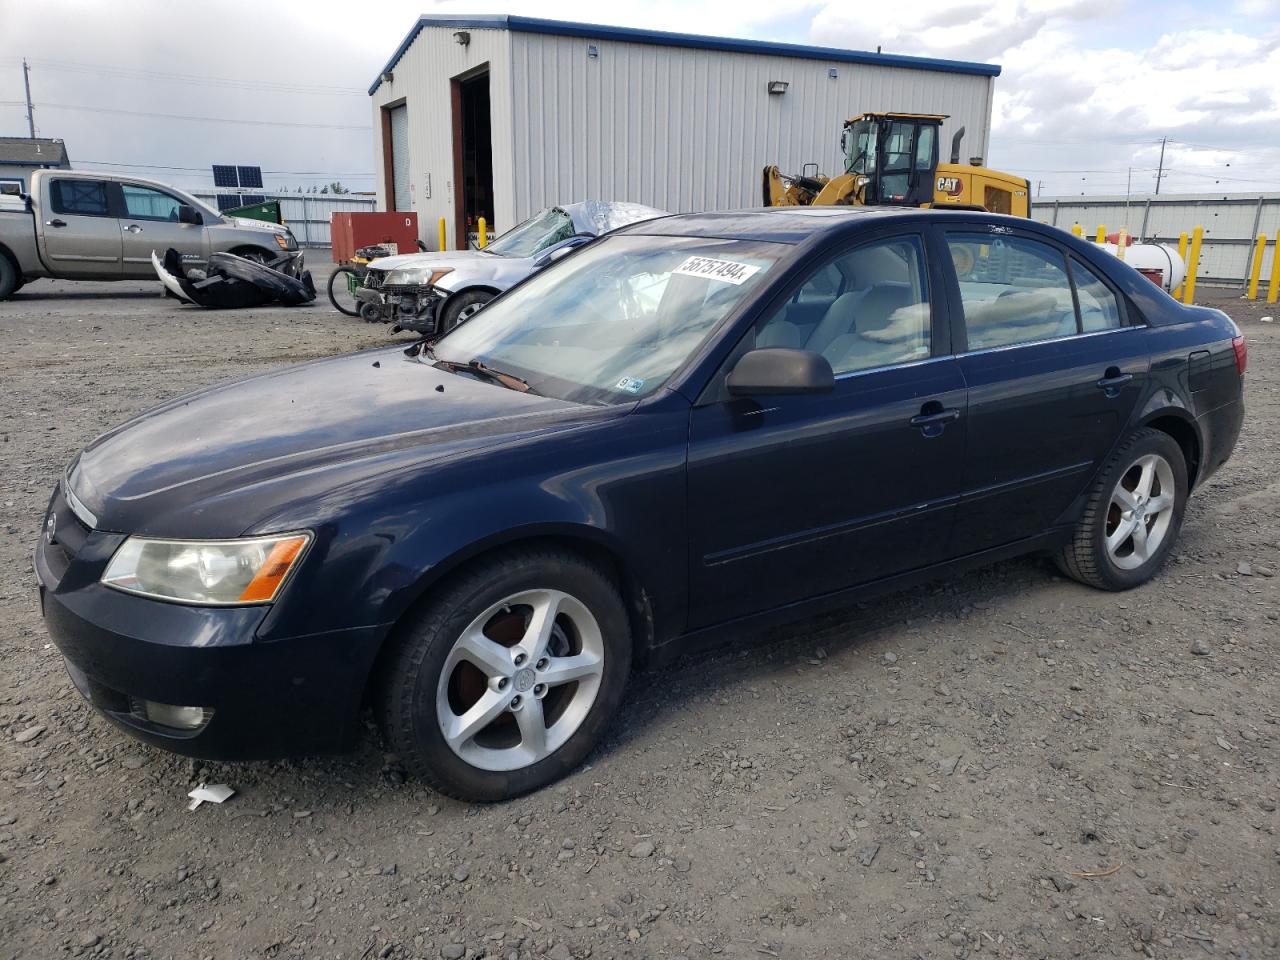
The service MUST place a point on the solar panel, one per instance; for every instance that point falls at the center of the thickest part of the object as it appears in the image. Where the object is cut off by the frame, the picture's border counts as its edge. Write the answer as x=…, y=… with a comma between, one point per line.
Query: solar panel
x=249, y=199
x=250, y=176
x=227, y=201
x=224, y=176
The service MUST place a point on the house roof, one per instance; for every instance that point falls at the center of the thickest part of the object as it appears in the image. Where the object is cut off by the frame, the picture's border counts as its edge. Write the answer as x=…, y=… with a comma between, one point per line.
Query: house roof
x=663, y=38
x=31, y=153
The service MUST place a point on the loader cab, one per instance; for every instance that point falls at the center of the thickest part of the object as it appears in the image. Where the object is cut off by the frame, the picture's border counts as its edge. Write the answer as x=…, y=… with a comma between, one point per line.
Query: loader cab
x=896, y=153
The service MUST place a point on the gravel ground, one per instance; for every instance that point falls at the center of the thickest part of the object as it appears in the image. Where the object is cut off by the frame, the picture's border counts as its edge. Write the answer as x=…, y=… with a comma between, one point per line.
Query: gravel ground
x=1005, y=764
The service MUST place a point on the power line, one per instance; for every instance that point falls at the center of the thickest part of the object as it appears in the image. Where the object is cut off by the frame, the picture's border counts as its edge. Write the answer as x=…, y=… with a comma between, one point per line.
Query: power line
x=129, y=73
x=206, y=171
x=175, y=116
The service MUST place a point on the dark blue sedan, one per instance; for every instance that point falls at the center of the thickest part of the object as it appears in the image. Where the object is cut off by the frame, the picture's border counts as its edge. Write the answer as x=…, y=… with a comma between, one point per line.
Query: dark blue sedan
x=680, y=432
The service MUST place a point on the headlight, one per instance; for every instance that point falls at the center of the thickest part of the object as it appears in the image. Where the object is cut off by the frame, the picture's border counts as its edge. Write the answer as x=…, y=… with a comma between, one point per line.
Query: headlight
x=208, y=572
x=282, y=241
x=417, y=276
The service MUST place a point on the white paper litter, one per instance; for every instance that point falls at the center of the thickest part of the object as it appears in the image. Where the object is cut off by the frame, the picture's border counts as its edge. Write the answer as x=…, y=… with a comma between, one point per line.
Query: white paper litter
x=214, y=793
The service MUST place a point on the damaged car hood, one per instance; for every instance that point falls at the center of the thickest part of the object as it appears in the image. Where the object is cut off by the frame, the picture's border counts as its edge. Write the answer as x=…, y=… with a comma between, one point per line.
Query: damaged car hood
x=219, y=461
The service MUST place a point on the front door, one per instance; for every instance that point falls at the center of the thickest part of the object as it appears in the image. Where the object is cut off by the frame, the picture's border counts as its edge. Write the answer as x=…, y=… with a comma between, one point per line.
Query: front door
x=149, y=221
x=792, y=497
x=80, y=233
x=1053, y=370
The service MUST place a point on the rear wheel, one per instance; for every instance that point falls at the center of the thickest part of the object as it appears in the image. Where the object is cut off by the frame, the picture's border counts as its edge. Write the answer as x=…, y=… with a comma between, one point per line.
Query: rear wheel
x=462, y=307
x=341, y=291
x=510, y=677
x=1133, y=514
x=10, y=279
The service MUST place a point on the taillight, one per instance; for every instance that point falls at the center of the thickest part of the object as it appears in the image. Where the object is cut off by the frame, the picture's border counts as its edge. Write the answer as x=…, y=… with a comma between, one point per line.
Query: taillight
x=1241, y=348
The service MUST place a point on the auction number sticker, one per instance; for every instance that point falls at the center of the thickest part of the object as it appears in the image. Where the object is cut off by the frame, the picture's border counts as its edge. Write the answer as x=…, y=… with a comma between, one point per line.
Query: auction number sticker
x=729, y=271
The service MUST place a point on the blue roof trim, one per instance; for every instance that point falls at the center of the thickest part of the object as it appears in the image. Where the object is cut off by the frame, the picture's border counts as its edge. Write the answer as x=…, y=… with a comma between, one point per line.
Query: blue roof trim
x=592, y=31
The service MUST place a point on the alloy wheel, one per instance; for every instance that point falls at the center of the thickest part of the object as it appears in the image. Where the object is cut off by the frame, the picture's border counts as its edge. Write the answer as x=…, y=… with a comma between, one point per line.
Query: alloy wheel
x=1140, y=512
x=520, y=680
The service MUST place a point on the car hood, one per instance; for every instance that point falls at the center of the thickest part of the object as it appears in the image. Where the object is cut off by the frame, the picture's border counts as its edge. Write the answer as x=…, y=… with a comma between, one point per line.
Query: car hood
x=247, y=223
x=467, y=268
x=218, y=462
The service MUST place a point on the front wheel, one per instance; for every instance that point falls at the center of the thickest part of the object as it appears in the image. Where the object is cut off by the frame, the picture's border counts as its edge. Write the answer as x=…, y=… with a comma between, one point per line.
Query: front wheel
x=462, y=307
x=1133, y=515
x=342, y=290
x=510, y=677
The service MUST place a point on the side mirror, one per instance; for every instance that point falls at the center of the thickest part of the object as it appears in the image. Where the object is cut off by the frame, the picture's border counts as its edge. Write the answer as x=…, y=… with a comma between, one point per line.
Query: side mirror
x=189, y=214
x=552, y=254
x=780, y=370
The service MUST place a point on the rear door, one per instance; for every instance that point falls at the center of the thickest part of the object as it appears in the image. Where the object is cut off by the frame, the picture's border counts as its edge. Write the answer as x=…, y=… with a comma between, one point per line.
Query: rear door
x=149, y=221
x=1054, y=370
x=79, y=232
x=792, y=497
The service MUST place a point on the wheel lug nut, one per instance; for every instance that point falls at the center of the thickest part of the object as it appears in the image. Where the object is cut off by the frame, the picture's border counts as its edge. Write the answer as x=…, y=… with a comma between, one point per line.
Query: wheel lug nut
x=515, y=702
x=520, y=659
x=541, y=664
x=502, y=683
x=539, y=689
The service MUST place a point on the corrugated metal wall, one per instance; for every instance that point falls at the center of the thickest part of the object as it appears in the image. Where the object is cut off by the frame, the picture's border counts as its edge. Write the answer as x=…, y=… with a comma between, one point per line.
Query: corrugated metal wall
x=1231, y=224
x=421, y=82
x=307, y=214
x=687, y=129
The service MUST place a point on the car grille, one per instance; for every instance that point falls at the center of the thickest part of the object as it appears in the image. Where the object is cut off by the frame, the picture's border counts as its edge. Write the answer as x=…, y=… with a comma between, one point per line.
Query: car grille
x=69, y=535
x=373, y=279
x=400, y=289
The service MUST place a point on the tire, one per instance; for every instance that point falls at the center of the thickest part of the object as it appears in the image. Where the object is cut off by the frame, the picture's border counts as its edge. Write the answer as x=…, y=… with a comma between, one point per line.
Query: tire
x=1111, y=509
x=10, y=279
x=462, y=307
x=340, y=303
x=430, y=679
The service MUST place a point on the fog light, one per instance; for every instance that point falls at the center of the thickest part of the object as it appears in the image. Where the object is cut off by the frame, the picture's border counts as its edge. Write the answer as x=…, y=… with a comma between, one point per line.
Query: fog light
x=169, y=715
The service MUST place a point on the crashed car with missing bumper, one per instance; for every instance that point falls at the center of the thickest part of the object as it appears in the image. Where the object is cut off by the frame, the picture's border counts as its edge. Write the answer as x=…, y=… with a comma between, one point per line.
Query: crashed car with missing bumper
x=434, y=292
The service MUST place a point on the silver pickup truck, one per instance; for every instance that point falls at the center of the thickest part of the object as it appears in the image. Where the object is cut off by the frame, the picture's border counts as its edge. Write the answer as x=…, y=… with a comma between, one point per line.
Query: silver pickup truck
x=96, y=226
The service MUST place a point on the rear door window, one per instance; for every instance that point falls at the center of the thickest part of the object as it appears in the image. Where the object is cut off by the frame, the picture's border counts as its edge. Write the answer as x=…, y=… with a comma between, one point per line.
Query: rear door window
x=80, y=198
x=1013, y=290
x=1099, y=307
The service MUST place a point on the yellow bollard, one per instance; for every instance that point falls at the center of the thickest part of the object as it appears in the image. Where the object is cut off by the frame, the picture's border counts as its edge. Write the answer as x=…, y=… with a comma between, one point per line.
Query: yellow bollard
x=1121, y=238
x=484, y=234
x=1193, y=266
x=442, y=243
x=1273, y=288
x=1077, y=230
x=1182, y=255
x=1101, y=235
x=1255, y=268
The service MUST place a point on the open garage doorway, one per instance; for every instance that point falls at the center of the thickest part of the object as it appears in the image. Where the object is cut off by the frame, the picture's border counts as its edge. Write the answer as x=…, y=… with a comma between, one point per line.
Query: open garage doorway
x=472, y=155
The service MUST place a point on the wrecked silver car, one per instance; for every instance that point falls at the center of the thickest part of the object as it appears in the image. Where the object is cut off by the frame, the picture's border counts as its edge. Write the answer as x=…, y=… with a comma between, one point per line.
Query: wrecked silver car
x=434, y=292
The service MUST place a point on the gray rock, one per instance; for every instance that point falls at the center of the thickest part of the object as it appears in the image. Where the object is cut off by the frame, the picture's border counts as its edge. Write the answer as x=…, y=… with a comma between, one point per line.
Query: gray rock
x=88, y=939
x=891, y=658
x=132, y=762
x=1199, y=648
x=560, y=952
x=839, y=846
x=1244, y=568
x=461, y=873
x=29, y=734
x=453, y=951
x=642, y=849
x=868, y=853
x=947, y=766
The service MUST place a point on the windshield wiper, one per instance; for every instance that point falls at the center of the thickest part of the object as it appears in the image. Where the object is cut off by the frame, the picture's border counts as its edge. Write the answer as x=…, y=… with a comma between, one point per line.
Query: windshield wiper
x=508, y=380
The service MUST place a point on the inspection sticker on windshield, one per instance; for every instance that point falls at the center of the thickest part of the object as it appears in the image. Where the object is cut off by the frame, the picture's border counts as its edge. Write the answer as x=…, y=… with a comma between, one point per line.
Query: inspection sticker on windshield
x=727, y=270
x=630, y=384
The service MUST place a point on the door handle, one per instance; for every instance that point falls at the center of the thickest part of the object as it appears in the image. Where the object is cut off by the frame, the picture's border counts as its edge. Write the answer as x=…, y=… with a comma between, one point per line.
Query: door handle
x=928, y=419
x=934, y=417
x=133, y=228
x=55, y=223
x=1112, y=380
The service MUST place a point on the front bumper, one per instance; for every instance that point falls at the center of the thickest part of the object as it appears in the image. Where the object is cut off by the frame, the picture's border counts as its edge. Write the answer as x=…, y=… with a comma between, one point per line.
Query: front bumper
x=413, y=306
x=265, y=699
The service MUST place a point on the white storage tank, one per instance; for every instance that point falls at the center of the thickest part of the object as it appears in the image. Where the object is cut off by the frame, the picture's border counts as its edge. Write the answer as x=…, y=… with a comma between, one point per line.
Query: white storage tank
x=1147, y=258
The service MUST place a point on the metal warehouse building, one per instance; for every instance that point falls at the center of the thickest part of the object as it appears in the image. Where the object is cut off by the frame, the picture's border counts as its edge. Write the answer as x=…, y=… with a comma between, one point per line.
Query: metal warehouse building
x=500, y=116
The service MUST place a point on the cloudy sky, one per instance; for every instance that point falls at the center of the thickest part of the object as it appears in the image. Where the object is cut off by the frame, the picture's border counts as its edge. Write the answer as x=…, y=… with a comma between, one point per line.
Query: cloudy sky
x=1088, y=90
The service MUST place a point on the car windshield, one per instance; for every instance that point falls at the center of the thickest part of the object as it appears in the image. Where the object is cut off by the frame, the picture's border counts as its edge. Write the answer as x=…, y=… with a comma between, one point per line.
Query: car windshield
x=860, y=146
x=537, y=233
x=616, y=319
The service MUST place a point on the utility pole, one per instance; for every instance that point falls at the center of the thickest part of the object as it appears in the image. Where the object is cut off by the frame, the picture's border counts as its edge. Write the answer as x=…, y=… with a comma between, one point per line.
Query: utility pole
x=26, y=82
x=1160, y=169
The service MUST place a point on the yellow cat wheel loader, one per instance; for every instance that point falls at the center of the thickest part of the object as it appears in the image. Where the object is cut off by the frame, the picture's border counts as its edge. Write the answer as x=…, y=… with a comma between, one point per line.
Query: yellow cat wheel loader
x=892, y=159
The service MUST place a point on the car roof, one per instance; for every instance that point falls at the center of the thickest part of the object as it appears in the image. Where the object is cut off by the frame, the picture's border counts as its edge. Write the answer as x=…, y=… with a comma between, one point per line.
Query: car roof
x=797, y=224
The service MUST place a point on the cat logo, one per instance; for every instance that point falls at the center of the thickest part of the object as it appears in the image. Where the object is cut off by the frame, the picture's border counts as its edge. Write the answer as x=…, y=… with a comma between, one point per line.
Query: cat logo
x=951, y=186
